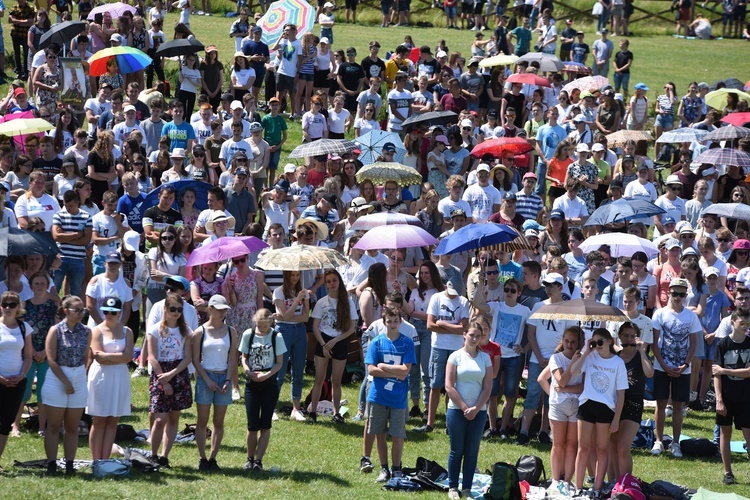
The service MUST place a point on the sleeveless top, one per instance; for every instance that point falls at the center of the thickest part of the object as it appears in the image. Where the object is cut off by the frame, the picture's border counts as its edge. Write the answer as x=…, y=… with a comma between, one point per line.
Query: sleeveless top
x=139, y=41
x=72, y=344
x=377, y=307
x=215, y=352
x=113, y=345
x=323, y=61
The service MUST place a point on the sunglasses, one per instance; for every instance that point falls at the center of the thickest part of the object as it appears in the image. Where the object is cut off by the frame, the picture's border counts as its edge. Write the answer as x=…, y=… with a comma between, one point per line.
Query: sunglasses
x=675, y=188
x=138, y=163
x=510, y=290
x=723, y=240
x=167, y=237
x=682, y=295
x=629, y=345
x=742, y=252
x=71, y=309
x=175, y=310
x=240, y=261
x=596, y=343
x=492, y=273
x=9, y=305
x=111, y=313
x=510, y=159
x=199, y=155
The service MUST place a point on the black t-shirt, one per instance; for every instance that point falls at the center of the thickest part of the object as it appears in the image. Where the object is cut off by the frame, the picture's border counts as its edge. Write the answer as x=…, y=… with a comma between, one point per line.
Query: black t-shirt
x=516, y=102
x=529, y=298
x=98, y=188
x=636, y=378
x=50, y=167
x=622, y=58
x=128, y=267
x=733, y=355
x=568, y=33
x=501, y=35
x=373, y=68
x=351, y=74
x=141, y=111
x=429, y=69
x=159, y=218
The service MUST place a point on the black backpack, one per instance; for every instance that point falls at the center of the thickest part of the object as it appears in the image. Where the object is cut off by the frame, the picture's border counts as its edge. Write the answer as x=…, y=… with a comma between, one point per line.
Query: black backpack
x=530, y=469
x=505, y=483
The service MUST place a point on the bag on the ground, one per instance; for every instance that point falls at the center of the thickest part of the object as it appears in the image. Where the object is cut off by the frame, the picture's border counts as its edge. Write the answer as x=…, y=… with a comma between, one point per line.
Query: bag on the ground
x=664, y=490
x=402, y=484
x=644, y=438
x=428, y=474
x=698, y=447
x=504, y=484
x=138, y=460
x=530, y=469
x=111, y=468
x=125, y=432
x=629, y=485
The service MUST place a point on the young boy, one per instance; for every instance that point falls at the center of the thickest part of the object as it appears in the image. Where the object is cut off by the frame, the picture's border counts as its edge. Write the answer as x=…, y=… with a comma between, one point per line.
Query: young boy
x=731, y=376
x=389, y=359
x=302, y=189
x=131, y=199
x=717, y=307
x=108, y=227
x=371, y=95
x=274, y=133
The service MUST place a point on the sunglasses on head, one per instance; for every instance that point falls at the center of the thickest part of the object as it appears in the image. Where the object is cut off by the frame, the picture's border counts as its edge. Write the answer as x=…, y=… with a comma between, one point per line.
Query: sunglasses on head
x=9, y=305
x=239, y=261
x=678, y=294
x=175, y=309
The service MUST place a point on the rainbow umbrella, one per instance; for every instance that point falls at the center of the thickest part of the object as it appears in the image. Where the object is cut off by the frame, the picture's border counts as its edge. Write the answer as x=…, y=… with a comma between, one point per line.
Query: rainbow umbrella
x=297, y=12
x=129, y=60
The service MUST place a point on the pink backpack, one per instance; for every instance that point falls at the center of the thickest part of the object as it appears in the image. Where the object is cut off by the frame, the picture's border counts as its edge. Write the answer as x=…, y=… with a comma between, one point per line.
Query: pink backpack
x=630, y=485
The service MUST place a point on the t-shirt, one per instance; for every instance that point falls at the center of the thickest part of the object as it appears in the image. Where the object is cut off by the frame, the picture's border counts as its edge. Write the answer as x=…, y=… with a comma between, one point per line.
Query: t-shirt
x=167, y=263
x=481, y=200
x=43, y=207
x=351, y=74
x=70, y=223
x=549, y=137
x=471, y=82
x=131, y=208
x=390, y=391
x=179, y=135
x=103, y=288
x=50, y=167
x=523, y=40
x=451, y=310
x=289, y=52
x=11, y=349
x=579, y=51
x=325, y=311
x=373, y=68
x=230, y=147
x=734, y=355
x=622, y=58
x=251, y=48
x=402, y=101
x=559, y=361
x=171, y=345
x=644, y=324
x=106, y=226
x=260, y=355
x=456, y=104
x=508, y=324
x=446, y=206
x=646, y=192
x=549, y=332
x=470, y=372
x=604, y=377
x=98, y=108
x=273, y=127
x=675, y=330
x=314, y=124
x=674, y=208
x=159, y=219
x=603, y=49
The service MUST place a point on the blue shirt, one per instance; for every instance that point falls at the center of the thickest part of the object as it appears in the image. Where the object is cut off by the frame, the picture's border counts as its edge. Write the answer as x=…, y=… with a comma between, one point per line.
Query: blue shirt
x=549, y=137
x=712, y=315
x=126, y=204
x=390, y=392
x=253, y=48
x=510, y=270
x=179, y=135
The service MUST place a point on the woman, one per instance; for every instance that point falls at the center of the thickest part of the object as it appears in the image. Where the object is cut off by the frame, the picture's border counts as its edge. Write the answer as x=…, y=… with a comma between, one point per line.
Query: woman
x=588, y=175
x=555, y=233
x=575, y=258
x=140, y=39
x=334, y=321
x=65, y=181
x=244, y=288
x=323, y=66
x=339, y=119
x=65, y=390
x=563, y=106
x=190, y=81
x=177, y=172
x=14, y=267
x=502, y=179
x=608, y=114
x=46, y=81
x=164, y=260
x=691, y=107
x=141, y=171
x=108, y=378
x=187, y=207
x=212, y=76
x=112, y=76
x=169, y=354
x=63, y=133
x=600, y=403
x=215, y=349
x=306, y=72
x=495, y=90
x=557, y=170
x=646, y=282
x=35, y=33
x=19, y=178
x=101, y=166
x=367, y=191
x=242, y=76
x=664, y=110
x=457, y=157
x=430, y=216
x=437, y=171
x=314, y=124
x=348, y=182
x=17, y=349
x=468, y=383
x=367, y=123
x=199, y=169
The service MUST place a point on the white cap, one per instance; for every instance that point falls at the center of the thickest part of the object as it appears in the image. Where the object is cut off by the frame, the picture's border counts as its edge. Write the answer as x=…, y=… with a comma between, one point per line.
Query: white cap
x=325, y=40
x=710, y=271
x=451, y=290
x=327, y=4
x=483, y=167
x=236, y=105
x=290, y=168
x=441, y=53
x=116, y=37
x=673, y=179
x=598, y=147
x=128, y=107
x=131, y=240
x=582, y=148
x=218, y=302
x=531, y=232
x=554, y=278
x=183, y=3
x=467, y=123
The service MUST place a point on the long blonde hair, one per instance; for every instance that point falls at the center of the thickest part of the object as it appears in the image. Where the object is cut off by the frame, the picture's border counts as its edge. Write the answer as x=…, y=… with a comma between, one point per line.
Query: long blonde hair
x=174, y=300
x=103, y=146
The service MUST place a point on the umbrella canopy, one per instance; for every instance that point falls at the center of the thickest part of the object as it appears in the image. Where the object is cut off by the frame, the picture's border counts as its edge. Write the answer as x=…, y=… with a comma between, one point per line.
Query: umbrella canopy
x=395, y=236
x=620, y=137
x=731, y=210
x=529, y=78
x=115, y=10
x=739, y=119
x=431, y=118
x=574, y=67
x=622, y=210
x=501, y=145
x=520, y=243
x=586, y=83
x=179, y=47
x=683, y=134
x=547, y=62
x=23, y=126
x=721, y=156
x=17, y=241
x=730, y=83
x=61, y=34
x=300, y=258
x=371, y=144
x=222, y=249
x=367, y=222
x=201, y=196
x=382, y=171
x=498, y=60
x=728, y=133
x=718, y=98
x=297, y=12
x=579, y=310
x=323, y=147
x=129, y=60
x=475, y=236
x=620, y=244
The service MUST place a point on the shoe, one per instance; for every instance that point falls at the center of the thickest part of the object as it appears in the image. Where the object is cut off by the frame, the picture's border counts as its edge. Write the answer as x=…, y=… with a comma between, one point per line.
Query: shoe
x=684, y=411
x=695, y=405
x=358, y=417
x=675, y=450
x=728, y=478
x=589, y=480
x=453, y=494
x=139, y=372
x=365, y=465
x=163, y=462
x=502, y=434
x=249, y=464
x=543, y=438
x=213, y=466
x=563, y=488
x=595, y=494
x=522, y=439
x=488, y=434
x=337, y=418
x=274, y=417
x=312, y=418
x=52, y=468
x=668, y=412
x=384, y=475
x=658, y=448
x=69, y=469
x=257, y=466
x=297, y=416
x=15, y=433
x=397, y=474
x=415, y=412
x=203, y=465
x=236, y=394
x=423, y=429
x=466, y=493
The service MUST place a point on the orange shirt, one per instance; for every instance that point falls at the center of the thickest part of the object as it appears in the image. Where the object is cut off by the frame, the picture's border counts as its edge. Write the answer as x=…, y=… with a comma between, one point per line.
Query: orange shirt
x=557, y=170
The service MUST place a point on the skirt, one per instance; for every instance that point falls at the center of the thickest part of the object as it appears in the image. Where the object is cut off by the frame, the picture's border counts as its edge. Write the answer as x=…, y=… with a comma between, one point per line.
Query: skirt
x=182, y=392
x=109, y=390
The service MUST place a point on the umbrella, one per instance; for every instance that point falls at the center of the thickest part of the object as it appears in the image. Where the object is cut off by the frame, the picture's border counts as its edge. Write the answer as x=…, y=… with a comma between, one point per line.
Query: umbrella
x=728, y=133
x=224, y=248
x=547, y=62
x=586, y=83
x=739, y=119
x=475, y=236
x=718, y=98
x=684, y=134
x=729, y=210
x=129, y=60
x=179, y=47
x=323, y=147
x=620, y=137
x=395, y=236
x=371, y=144
x=720, y=156
x=746, y=86
x=367, y=222
x=414, y=55
x=431, y=118
x=201, y=196
x=528, y=78
x=574, y=67
x=17, y=241
x=498, y=60
x=61, y=34
x=115, y=9
x=622, y=210
x=300, y=258
x=383, y=171
x=730, y=83
x=581, y=310
x=297, y=12
x=497, y=147
x=620, y=244
x=520, y=243
x=23, y=126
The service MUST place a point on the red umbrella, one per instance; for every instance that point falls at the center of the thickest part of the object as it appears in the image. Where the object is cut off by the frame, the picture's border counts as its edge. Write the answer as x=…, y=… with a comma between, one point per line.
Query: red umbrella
x=496, y=147
x=414, y=55
x=529, y=78
x=738, y=119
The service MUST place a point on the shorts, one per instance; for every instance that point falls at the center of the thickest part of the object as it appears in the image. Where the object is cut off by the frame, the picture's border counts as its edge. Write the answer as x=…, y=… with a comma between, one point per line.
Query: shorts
x=451, y=11
x=556, y=192
x=665, y=386
x=339, y=352
x=510, y=372
x=595, y=412
x=685, y=14
x=260, y=402
x=321, y=79
x=403, y=5
x=321, y=3
x=467, y=7
x=350, y=104
x=384, y=419
x=534, y=390
x=666, y=122
x=478, y=8
x=385, y=6
x=566, y=411
x=632, y=409
x=352, y=4
x=307, y=77
x=438, y=361
x=499, y=9
x=628, y=10
x=335, y=135
x=737, y=412
x=53, y=391
x=617, y=11
x=284, y=83
x=205, y=396
x=727, y=18
x=260, y=75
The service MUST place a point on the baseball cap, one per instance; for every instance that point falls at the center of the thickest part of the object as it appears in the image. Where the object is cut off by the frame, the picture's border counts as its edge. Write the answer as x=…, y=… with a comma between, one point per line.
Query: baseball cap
x=710, y=271
x=474, y=60
x=443, y=139
x=113, y=257
x=282, y=185
x=678, y=282
x=131, y=240
x=568, y=21
x=689, y=251
x=116, y=37
x=235, y=105
x=330, y=198
x=211, y=48
x=579, y=33
x=531, y=232
x=441, y=53
x=218, y=302
x=529, y=175
x=557, y=214
x=290, y=168
x=4, y=185
x=467, y=123
x=19, y=91
x=687, y=229
x=389, y=146
x=616, y=184
x=579, y=119
x=492, y=113
x=667, y=219
x=273, y=99
x=641, y=86
x=671, y=243
x=111, y=304
x=509, y=196
x=325, y=40
x=256, y=29
x=178, y=280
x=425, y=49
x=457, y=212
x=128, y=107
x=554, y=278
x=483, y=167
x=241, y=171
x=255, y=127
x=451, y=290
x=629, y=158
x=598, y=147
x=604, y=30
x=583, y=148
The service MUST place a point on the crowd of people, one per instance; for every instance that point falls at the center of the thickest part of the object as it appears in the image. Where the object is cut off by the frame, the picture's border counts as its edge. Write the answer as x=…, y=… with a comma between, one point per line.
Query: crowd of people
x=423, y=324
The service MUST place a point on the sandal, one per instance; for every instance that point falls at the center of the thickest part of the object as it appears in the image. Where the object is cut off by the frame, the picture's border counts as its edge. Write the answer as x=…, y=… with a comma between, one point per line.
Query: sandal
x=15, y=433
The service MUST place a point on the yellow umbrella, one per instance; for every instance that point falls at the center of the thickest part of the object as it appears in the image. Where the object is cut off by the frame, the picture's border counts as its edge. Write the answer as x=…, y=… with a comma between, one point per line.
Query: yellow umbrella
x=718, y=98
x=23, y=126
x=498, y=60
x=381, y=172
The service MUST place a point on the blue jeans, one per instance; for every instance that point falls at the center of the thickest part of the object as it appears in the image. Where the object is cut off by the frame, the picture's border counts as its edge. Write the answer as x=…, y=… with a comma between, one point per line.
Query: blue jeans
x=602, y=21
x=422, y=353
x=533, y=16
x=541, y=174
x=534, y=390
x=273, y=163
x=621, y=80
x=603, y=71
x=74, y=269
x=295, y=339
x=465, y=436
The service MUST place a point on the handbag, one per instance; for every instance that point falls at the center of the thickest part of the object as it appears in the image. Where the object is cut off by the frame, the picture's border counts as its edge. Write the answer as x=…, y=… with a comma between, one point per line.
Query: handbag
x=597, y=10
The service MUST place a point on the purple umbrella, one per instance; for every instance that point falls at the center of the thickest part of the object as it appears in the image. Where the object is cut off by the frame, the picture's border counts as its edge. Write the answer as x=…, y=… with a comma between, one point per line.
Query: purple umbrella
x=395, y=236
x=367, y=222
x=225, y=248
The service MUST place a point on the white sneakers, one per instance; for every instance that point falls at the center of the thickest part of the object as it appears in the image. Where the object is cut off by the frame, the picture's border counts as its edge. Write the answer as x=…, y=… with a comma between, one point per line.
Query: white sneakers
x=658, y=448
x=674, y=449
x=297, y=416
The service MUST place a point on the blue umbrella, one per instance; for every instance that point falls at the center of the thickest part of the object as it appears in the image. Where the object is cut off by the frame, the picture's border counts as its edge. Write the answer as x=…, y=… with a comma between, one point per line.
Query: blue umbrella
x=622, y=210
x=201, y=197
x=371, y=144
x=476, y=236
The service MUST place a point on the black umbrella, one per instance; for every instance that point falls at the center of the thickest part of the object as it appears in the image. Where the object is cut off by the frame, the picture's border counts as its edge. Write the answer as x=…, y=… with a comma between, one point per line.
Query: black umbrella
x=62, y=33
x=180, y=47
x=731, y=83
x=431, y=118
x=17, y=241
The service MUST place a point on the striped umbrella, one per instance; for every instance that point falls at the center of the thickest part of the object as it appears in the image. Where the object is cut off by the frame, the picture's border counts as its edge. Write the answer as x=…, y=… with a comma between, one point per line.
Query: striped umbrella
x=728, y=133
x=684, y=134
x=129, y=60
x=297, y=12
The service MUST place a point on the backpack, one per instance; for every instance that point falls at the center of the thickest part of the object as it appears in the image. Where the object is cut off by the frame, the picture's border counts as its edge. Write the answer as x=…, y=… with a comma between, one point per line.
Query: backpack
x=530, y=469
x=630, y=485
x=111, y=468
x=504, y=484
x=701, y=447
x=252, y=337
x=125, y=432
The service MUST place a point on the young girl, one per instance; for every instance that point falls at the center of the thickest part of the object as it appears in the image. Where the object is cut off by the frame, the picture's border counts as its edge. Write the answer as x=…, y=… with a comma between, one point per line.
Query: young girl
x=339, y=119
x=437, y=170
x=198, y=170
x=239, y=30
x=430, y=215
x=140, y=39
x=276, y=208
x=306, y=72
x=326, y=21
x=204, y=287
x=242, y=76
x=141, y=171
x=185, y=7
x=177, y=172
x=262, y=349
x=646, y=282
x=166, y=259
x=63, y=132
x=66, y=179
x=367, y=123
x=190, y=82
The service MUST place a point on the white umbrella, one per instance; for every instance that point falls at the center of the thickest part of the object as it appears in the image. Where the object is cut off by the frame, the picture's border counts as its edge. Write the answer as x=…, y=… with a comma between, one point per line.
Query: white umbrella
x=620, y=244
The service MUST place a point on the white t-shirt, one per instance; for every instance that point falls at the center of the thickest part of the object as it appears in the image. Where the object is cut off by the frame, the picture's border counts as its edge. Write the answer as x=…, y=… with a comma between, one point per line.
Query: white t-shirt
x=643, y=322
x=26, y=292
x=573, y=209
x=45, y=207
x=98, y=108
x=548, y=332
x=157, y=313
x=508, y=324
x=122, y=132
x=278, y=294
x=451, y=310
x=337, y=120
x=190, y=79
x=167, y=264
x=290, y=52
x=559, y=361
x=604, y=377
x=481, y=200
x=675, y=209
x=325, y=311
x=402, y=100
x=243, y=76
x=407, y=329
x=646, y=192
x=11, y=349
x=171, y=345
x=446, y=206
x=260, y=356
x=675, y=330
x=105, y=225
x=103, y=288
x=469, y=375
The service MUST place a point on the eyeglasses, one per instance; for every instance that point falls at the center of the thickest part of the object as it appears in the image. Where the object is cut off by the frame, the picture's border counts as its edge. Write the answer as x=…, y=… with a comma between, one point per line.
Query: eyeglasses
x=240, y=261
x=400, y=261
x=510, y=290
x=551, y=284
x=51, y=56
x=167, y=237
x=596, y=343
x=681, y=295
x=675, y=188
x=9, y=305
x=71, y=309
x=111, y=313
x=175, y=310
x=492, y=273
x=723, y=240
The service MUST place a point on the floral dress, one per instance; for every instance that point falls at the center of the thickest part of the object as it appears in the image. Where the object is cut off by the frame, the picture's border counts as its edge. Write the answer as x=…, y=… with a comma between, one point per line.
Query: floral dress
x=117, y=81
x=48, y=98
x=691, y=108
x=139, y=40
x=241, y=315
x=41, y=317
x=585, y=193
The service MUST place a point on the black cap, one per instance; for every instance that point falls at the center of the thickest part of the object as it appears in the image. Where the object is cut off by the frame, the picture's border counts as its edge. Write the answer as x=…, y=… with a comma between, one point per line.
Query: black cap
x=617, y=183
x=492, y=112
x=330, y=198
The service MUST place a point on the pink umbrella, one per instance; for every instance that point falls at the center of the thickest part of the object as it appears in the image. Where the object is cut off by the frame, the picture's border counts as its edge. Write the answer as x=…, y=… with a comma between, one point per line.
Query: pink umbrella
x=367, y=222
x=225, y=248
x=738, y=119
x=395, y=236
x=529, y=78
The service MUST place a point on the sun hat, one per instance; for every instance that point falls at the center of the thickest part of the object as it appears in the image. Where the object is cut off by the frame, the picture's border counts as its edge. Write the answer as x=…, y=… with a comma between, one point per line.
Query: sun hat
x=322, y=228
x=219, y=216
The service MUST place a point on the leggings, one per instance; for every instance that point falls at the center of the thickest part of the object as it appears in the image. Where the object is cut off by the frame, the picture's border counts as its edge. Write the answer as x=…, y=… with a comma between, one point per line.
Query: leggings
x=188, y=100
x=10, y=400
x=158, y=66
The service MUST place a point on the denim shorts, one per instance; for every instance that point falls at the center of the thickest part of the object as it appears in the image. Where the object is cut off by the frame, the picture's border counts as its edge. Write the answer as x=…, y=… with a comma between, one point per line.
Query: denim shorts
x=534, y=390
x=709, y=351
x=438, y=361
x=307, y=77
x=664, y=121
x=510, y=369
x=205, y=396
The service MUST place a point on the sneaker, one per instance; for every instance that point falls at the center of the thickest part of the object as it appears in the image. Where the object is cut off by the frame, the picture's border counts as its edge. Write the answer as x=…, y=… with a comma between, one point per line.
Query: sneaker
x=384, y=475
x=522, y=439
x=297, y=416
x=337, y=418
x=163, y=462
x=213, y=466
x=415, y=412
x=466, y=493
x=543, y=438
x=312, y=418
x=397, y=474
x=728, y=478
x=365, y=465
x=257, y=466
x=502, y=434
x=235, y=394
x=658, y=448
x=249, y=464
x=563, y=488
x=360, y=416
x=203, y=465
x=675, y=450
x=274, y=417
x=684, y=411
x=488, y=434
x=668, y=412
x=423, y=429
x=453, y=494
x=139, y=372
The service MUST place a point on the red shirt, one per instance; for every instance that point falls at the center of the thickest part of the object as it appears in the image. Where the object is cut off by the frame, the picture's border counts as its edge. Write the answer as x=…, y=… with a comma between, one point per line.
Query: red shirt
x=492, y=349
x=315, y=178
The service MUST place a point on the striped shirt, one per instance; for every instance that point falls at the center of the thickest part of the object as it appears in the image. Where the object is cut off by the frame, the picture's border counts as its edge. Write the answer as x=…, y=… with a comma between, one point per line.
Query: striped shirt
x=70, y=224
x=528, y=206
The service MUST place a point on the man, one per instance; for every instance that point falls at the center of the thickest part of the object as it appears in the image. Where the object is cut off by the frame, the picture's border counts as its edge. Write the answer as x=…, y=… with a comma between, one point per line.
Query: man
x=261, y=156
x=108, y=228
x=180, y=133
x=573, y=208
x=95, y=107
x=123, y=130
x=258, y=55
x=323, y=211
x=423, y=98
x=180, y=286
x=48, y=162
x=595, y=269
x=579, y=51
x=202, y=127
x=232, y=147
x=623, y=62
x=141, y=110
x=529, y=204
x=371, y=95
x=428, y=66
x=399, y=104
x=501, y=35
x=153, y=126
x=548, y=39
x=397, y=64
x=106, y=120
x=483, y=198
x=454, y=99
x=614, y=293
x=22, y=16
x=508, y=268
x=372, y=65
x=216, y=199
x=274, y=133
x=523, y=38
x=22, y=103
x=289, y=52
x=567, y=37
x=547, y=138
x=676, y=331
x=130, y=201
x=602, y=51
x=533, y=292
x=161, y=215
x=507, y=214
x=239, y=202
x=351, y=79
x=237, y=113
x=472, y=85
x=71, y=229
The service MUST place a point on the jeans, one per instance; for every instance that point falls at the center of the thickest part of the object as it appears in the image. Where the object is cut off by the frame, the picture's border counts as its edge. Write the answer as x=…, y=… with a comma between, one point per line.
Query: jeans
x=541, y=174
x=273, y=164
x=295, y=339
x=74, y=270
x=465, y=436
x=533, y=17
x=422, y=353
x=602, y=21
x=534, y=390
x=188, y=100
x=603, y=71
x=621, y=80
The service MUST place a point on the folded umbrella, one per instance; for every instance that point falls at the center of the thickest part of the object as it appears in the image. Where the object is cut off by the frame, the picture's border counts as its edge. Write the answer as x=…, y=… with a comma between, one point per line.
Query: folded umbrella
x=367, y=222
x=475, y=236
x=728, y=133
x=683, y=134
x=730, y=210
x=323, y=147
x=396, y=236
x=622, y=210
x=300, y=258
x=620, y=244
x=225, y=248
